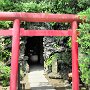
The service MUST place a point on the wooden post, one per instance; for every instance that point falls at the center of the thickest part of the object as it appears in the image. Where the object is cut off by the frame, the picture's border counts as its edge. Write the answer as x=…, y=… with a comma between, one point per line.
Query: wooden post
x=15, y=54
x=75, y=72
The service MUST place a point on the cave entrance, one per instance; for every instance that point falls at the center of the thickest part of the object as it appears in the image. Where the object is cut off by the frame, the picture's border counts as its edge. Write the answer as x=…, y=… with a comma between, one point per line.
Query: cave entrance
x=34, y=50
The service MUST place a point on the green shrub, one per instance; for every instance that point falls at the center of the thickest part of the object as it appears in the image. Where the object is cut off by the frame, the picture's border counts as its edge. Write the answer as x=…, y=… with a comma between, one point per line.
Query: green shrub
x=84, y=43
x=50, y=59
x=4, y=74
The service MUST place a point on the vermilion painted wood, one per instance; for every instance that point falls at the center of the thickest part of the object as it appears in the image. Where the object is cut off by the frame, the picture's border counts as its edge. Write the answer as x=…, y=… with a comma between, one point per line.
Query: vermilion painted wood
x=5, y=32
x=38, y=17
x=38, y=32
x=75, y=72
x=15, y=54
x=45, y=32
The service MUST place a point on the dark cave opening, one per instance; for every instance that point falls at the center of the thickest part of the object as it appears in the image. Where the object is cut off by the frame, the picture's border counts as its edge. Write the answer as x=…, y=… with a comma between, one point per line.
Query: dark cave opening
x=34, y=50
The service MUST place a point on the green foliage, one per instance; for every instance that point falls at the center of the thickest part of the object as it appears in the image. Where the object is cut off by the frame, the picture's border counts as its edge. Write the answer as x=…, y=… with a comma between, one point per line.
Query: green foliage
x=4, y=54
x=5, y=24
x=84, y=41
x=83, y=4
x=85, y=69
x=5, y=5
x=32, y=6
x=4, y=74
x=64, y=56
x=51, y=58
x=62, y=6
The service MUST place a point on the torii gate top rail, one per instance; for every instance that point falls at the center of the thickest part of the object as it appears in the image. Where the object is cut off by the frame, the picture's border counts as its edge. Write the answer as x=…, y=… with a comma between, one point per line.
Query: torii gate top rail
x=16, y=32
x=38, y=17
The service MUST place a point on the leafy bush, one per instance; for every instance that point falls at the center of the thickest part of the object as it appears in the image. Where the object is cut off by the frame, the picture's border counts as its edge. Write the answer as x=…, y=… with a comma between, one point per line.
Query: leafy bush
x=65, y=56
x=51, y=58
x=4, y=70
x=4, y=42
x=4, y=74
x=84, y=41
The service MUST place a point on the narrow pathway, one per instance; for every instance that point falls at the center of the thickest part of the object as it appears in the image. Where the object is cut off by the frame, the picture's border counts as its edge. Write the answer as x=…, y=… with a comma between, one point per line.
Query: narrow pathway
x=38, y=80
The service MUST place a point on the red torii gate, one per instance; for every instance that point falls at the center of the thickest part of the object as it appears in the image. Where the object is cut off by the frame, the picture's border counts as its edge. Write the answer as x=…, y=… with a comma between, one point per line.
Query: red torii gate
x=16, y=32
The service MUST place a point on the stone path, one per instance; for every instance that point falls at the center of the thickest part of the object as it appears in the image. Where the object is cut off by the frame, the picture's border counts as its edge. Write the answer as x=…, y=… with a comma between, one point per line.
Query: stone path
x=38, y=80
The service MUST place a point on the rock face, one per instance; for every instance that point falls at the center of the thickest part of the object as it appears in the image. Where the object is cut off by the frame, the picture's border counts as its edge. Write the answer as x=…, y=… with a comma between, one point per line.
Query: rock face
x=22, y=58
x=49, y=50
x=22, y=49
x=48, y=46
